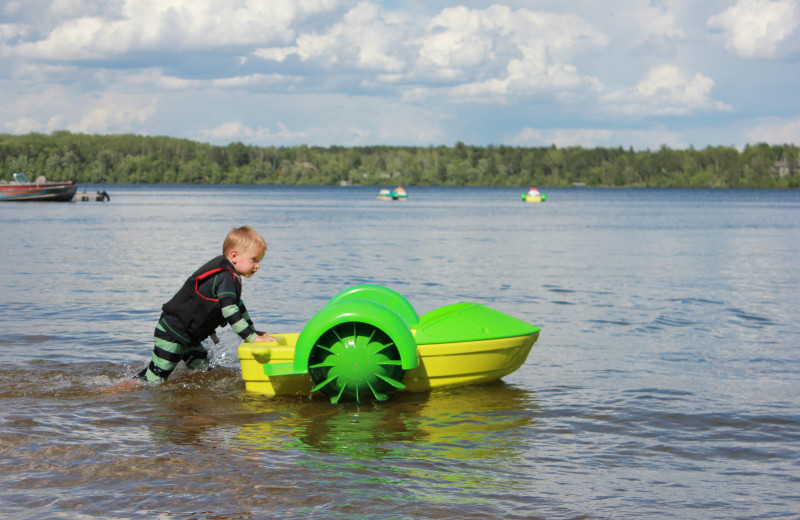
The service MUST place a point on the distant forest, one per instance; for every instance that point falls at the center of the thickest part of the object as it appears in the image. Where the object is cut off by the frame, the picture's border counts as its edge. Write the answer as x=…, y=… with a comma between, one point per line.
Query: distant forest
x=131, y=159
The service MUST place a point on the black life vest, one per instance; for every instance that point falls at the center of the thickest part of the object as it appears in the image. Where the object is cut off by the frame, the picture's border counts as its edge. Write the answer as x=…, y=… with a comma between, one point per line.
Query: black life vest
x=200, y=314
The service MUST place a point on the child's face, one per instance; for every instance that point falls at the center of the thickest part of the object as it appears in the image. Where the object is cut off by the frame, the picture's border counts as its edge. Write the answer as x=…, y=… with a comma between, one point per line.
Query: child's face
x=247, y=262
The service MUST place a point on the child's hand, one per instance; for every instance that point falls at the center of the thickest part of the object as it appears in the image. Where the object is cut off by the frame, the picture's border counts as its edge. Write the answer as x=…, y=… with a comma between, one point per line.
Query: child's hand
x=266, y=337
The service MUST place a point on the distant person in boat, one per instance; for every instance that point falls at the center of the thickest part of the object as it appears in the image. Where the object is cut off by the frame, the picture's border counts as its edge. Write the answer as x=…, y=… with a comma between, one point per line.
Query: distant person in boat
x=210, y=298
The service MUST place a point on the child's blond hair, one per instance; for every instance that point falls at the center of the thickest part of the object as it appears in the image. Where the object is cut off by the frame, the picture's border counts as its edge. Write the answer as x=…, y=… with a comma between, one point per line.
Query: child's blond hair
x=242, y=239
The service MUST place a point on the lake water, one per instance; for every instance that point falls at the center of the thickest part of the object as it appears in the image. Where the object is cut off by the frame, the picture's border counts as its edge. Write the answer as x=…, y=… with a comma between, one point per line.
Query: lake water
x=665, y=383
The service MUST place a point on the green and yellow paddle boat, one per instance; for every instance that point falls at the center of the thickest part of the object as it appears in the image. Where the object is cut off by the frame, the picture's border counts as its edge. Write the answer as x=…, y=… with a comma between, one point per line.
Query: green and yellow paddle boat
x=368, y=341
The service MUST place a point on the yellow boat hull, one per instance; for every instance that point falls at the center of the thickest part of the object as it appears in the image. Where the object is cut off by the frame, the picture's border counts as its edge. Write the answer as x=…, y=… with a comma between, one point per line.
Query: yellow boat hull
x=440, y=365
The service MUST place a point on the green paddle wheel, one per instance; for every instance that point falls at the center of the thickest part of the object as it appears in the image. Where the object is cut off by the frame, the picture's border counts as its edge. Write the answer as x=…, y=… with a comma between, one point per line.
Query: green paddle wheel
x=353, y=360
x=359, y=345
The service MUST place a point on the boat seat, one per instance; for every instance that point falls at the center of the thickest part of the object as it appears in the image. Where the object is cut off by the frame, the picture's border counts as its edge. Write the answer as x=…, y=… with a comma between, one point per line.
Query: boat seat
x=41, y=179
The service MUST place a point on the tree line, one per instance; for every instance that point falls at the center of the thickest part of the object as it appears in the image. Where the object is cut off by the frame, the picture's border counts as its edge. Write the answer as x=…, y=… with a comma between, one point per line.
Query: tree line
x=131, y=159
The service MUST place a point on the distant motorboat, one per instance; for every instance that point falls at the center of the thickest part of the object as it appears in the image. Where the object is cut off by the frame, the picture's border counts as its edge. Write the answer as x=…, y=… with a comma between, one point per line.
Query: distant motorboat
x=22, y=189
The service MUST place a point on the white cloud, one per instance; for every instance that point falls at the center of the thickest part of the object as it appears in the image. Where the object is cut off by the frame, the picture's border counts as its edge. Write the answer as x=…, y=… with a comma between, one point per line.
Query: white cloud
x=498, y=51
x=471, y=53
x=459, y=38
x=666, y=90
x=23, y=125
x=173, y=25
x=356, y=72
x=563, y=137
x=231, y=130
x=281, y=133
x=239, y=131
x=58, y=108
x=155, y=78
x=652, y=28
x=276, y=53
x=11, y=31
x=776, y=130
x=758, y=28
x=647, y=19
x=652, y=138
x=12, y=8
x=326, y=119
x=366, y=38
x=114, y=113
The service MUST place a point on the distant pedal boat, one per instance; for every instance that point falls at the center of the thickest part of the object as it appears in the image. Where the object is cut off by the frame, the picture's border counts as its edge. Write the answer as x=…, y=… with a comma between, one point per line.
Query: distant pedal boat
x=534, y=195
x=399, y=193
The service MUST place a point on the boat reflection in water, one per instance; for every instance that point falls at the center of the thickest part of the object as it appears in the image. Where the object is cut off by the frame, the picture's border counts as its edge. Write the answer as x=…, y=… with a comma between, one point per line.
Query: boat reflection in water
x=452, y=424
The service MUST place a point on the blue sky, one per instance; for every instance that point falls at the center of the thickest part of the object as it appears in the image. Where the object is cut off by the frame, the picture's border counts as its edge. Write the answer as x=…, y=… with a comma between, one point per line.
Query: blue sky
x=631, y=73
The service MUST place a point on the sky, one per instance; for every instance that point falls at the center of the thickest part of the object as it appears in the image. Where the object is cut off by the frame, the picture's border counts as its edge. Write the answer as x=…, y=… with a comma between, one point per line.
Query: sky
x=633, y=73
